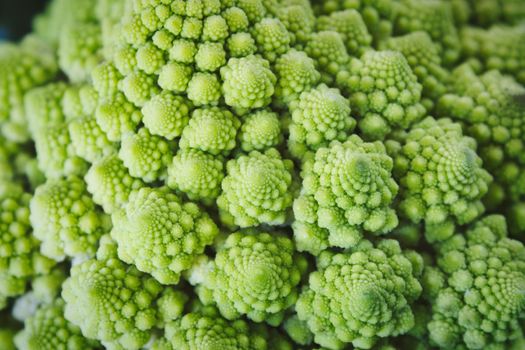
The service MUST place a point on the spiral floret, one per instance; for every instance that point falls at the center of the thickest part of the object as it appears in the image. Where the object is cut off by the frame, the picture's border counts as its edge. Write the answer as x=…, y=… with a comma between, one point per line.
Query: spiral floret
x=117, y=304
x=47, y=329
x=348, y=190
x=379, y=284
x=256, y=190
x=478, y=300
x=206, y=329
x=160, y=234
x=260, y=130
x=319, y=116
x=441, y=177
x=66, y=220
x=254, y=274
x=384, y=93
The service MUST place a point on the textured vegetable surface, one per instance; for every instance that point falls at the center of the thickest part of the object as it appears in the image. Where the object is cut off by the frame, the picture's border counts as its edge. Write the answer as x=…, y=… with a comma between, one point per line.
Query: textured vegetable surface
x=264, y=175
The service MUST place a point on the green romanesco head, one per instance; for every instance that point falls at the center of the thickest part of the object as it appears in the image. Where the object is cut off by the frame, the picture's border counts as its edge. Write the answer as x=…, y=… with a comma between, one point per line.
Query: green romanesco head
x=256, y=190
x=116, y=304
x=360, y=296
x=423, y=57
x=66, y=220
x=110, y=183
x=441, y=177
x=260, y=130
x=47, y=329
x=352, y=28
x=20, y=257
x=206, y=329
x=347, y=190
x=434, y=17
x=478, y=296
x=197, y=174
x=319, y=116
x=383, y=91
x=254, y=274
x=328, y=50
x=160, y=234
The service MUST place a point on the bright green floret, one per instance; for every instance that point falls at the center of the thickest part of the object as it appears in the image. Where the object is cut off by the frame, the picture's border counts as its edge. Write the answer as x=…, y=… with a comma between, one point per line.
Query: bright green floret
x=477, y=299
x=434, y=17
x=145, y=155
x=212, y=130
x=272, y=38
x=117, y=116
x=256, y=190
x=329, y=52
x=299, y=20
x=160, y=234
x=352, y=28
x=206, y=329
x=166, y=115
x=204, y=89
x=116, y=304
x=196, y=173
x=441, y=177
x=319, y=116
x=384, y=93
x=348, y=190
x=260, y=130
x=361, y=295
x=47, y=329
x=248, y=82
x=295, y=73
x=110, y=183
x=66, y=220
x=254, y=274
x=20, y=258
x=423, y=57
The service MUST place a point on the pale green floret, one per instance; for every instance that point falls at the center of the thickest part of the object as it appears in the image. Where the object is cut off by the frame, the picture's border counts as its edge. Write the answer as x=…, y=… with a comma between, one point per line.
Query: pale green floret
x=215, y=29
x=319, y=116
x=423, y=57
x=476, y=291
x=166, y=115
x=211, y=130
x=299, y=21
x=254, y=274
x=255, y=9
x=183, y=51
x=43, y=106
x=145, y=155
x=175, y=76
x=105, y=79
x=66, y=220
x=206, y=329
x=360, y=296
x=47, y=329
x=434, y=17
x=88, y=140
x=295, y=73
x=248, y=82
x=20, y=258
x=272, y=38
x=117, y=117
x=22, y=67
x=116, y=304
x=204, y=89
x=150, y=58
x=441, y=177
x=384, y=93
x=79, y=50
x=348, y=190
x=329, y=53
x=298, y=330
x=110, y=183
x=79, y=100
x=124, y=59
x=256, y=190
x=260, y=130
x=139, y=87
x=210, y=57
x=236, y=19
x=489, y=109
x=160, y=234
x=241, y=44
x=196, y=173
x=352, y=28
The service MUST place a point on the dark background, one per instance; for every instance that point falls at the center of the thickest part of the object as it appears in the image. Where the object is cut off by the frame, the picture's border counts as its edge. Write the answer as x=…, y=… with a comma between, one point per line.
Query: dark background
x=16, y=16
